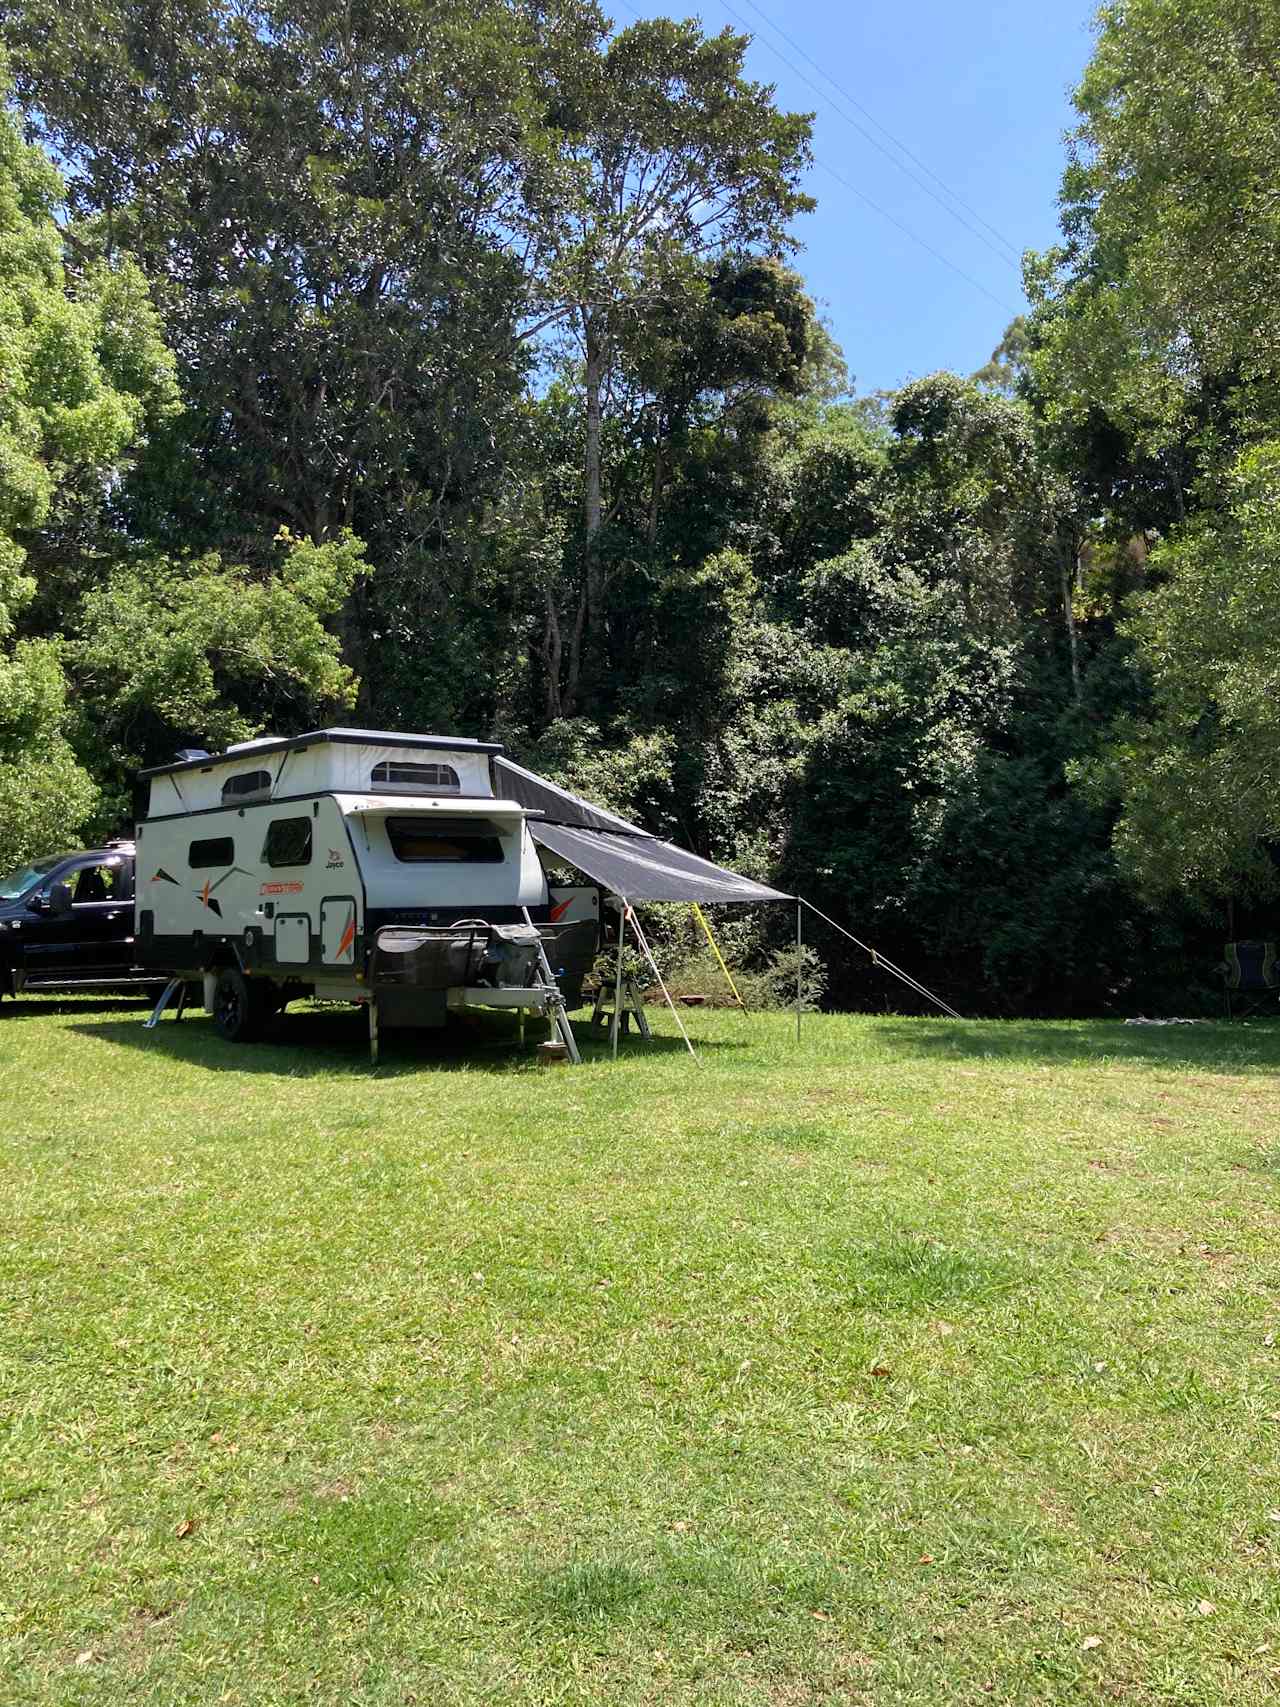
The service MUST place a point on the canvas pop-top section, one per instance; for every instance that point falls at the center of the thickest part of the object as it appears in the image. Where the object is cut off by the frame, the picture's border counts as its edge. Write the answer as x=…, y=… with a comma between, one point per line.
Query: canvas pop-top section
x=360, y=761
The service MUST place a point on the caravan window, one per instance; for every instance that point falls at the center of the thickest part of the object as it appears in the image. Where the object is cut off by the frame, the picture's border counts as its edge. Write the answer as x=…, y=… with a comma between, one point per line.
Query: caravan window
x=444, y=841
x=218, y=850
x=246, y=785
x=288, y=842
x=401, y=773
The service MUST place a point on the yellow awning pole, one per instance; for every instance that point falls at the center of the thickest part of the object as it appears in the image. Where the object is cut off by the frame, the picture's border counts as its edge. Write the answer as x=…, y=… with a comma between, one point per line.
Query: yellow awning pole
x=698, y=914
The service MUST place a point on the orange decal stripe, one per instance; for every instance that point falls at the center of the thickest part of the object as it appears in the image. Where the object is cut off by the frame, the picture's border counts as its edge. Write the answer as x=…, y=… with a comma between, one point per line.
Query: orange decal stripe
x=348, y=937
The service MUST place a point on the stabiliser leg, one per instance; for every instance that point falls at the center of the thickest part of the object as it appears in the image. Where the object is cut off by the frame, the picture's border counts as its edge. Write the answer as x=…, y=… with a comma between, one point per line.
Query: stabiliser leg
x=555, y=999
x=175, y=986
x=566, y=1034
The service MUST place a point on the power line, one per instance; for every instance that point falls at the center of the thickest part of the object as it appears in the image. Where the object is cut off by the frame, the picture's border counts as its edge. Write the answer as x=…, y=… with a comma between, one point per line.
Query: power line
x=908, y=232
x=1009, y=259
x=1013, y=252
x=853, y=189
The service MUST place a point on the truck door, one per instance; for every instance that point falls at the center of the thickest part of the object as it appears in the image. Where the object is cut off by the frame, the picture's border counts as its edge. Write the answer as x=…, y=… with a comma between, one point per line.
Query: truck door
x=92, y=941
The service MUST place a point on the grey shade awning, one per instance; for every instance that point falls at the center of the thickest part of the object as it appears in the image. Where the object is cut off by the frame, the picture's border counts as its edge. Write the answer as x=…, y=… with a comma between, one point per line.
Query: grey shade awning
x=642, y=868
x=619, y=855
x=556, y=804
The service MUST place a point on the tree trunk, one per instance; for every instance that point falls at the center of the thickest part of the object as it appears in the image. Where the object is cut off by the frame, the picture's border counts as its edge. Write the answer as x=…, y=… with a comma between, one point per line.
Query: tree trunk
x=655, y=491
x=1070, y=552
x=552, y=650
x=594, y=379
x=574, y=672
x=588, y=634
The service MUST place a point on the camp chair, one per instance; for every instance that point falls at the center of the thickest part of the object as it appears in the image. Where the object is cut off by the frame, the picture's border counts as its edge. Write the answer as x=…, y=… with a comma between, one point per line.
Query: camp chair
x=1251, y=977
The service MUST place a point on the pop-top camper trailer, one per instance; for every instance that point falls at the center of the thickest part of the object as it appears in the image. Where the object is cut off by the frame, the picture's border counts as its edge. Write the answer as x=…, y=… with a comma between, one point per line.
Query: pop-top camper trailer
x=356, y=866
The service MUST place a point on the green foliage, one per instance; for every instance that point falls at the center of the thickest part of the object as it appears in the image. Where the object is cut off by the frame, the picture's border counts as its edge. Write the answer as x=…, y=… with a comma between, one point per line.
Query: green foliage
x=983, y=665
x=1200, y=778
x=82, y=372
x=46, y=796
x=211, y=651
x=1169, y=205
x=631, y=777
x=1154, y=363
x=767, y=988
x=1007, y=367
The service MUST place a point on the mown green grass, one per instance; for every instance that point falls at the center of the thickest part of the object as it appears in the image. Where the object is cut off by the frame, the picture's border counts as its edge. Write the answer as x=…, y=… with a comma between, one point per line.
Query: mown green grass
x=893, y=1367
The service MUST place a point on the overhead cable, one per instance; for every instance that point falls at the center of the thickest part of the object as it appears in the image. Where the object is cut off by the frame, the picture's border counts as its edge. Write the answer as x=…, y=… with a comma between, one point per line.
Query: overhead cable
x=1005, y=307
x=908, y=232
x=1008, y=252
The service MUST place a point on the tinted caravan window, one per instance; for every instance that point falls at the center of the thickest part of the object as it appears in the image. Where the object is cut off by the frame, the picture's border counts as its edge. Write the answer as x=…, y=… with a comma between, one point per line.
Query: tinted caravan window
x=246, y=785
x=217, y=850
x=444, y=841
x=288, y=842
x=400, y=773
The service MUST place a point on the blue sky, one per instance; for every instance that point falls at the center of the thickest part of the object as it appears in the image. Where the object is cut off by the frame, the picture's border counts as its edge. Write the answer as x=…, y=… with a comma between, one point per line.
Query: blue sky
x=980, y=94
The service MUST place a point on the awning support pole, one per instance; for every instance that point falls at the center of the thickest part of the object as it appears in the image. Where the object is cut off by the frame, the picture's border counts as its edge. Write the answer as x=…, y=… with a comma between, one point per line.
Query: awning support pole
x=653, y=967
x=616, y=1023
x=799, y=965
x=715, y=949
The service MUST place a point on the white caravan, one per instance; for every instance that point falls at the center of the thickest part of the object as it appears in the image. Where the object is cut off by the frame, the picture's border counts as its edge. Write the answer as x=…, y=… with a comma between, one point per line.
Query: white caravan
x=353, y=865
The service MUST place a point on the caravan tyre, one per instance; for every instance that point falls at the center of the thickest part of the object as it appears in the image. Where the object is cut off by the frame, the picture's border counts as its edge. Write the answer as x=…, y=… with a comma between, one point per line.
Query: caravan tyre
x=239, y=1007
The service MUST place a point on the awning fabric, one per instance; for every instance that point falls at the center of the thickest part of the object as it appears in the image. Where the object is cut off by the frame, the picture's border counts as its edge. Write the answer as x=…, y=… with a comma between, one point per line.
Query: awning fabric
x=644, y=869
x=556, y=804
x=619, y=855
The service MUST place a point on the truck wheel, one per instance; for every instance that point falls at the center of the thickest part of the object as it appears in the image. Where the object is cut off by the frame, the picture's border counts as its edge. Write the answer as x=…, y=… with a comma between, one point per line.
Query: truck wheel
x=239, y=1007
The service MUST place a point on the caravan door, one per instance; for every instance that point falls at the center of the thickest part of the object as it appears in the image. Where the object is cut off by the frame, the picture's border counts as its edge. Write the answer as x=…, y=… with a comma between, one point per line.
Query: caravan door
x=287, y=853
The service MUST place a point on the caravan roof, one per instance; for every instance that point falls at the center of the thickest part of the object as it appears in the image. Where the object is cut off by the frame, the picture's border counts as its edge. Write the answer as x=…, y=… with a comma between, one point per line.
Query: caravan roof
x=317, y=737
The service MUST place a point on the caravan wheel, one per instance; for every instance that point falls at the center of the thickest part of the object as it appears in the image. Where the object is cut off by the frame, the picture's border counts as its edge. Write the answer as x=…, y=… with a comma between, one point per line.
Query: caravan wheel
x=239, y=1007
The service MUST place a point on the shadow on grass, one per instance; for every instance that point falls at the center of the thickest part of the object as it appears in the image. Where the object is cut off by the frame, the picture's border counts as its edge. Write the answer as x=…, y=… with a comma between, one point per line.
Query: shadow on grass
x=316, y=1042
x=83, y=1007
x=1213, y=1046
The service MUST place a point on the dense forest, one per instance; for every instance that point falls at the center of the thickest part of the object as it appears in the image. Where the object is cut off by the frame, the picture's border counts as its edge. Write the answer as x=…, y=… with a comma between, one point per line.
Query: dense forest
x=450, y=366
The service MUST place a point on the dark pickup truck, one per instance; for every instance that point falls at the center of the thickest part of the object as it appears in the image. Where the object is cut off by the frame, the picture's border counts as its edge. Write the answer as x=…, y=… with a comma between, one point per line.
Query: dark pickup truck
x=66, y=923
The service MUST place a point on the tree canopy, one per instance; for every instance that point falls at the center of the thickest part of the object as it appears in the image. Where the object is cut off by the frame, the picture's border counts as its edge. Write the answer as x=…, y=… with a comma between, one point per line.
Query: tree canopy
x=455, y=363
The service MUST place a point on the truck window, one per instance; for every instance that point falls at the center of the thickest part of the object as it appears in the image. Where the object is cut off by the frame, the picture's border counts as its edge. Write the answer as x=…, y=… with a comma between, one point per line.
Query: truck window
x=246, y=785
x=444, y=841
x=215, y=851
x=403, y=773
x=288, y=842
x=26, y=877
x=94, y=883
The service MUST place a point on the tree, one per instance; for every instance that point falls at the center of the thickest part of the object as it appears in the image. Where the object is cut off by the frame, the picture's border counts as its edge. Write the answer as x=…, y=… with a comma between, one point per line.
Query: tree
x=1163, y=291
x=696, y=392
x=1008, y=363
x=676, y=160
x=164, y=651
x=333, y=208
x=1155, y=368
x=82, y=372
x=1199, y=778
x=975, y=503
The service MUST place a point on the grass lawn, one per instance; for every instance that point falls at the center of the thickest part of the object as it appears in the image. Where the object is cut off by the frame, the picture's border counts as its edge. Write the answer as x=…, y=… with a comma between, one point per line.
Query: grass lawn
x=926, y=1362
